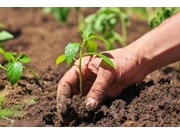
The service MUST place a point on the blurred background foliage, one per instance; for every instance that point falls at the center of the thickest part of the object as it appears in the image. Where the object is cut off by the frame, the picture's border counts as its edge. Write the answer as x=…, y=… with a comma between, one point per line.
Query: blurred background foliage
x=105, y=19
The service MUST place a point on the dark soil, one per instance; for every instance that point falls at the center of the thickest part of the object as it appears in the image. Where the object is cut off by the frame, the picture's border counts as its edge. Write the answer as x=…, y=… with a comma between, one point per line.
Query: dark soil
x=153, y=102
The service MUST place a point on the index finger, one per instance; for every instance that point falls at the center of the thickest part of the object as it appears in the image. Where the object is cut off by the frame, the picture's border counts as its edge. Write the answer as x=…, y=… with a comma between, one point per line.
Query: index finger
x=68, y=82
x=66, y=87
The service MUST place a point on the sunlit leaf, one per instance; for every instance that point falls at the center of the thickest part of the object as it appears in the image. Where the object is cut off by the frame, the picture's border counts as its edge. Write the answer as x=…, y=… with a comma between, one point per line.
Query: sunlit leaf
x=106, y=59
x=4, y=35
x=83, y=34
x=70, y=51
x=24, y=58
x=91, y=46
x=60, y=59
x=14, y=71
x=8, y=56
x=93, y=35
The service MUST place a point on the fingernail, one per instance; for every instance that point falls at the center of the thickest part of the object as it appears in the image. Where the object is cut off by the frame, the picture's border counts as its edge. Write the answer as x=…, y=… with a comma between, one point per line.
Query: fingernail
x=91, y=102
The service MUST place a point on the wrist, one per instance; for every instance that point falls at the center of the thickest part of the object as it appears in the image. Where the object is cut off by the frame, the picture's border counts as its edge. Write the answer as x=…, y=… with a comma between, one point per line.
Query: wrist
x=158, y=47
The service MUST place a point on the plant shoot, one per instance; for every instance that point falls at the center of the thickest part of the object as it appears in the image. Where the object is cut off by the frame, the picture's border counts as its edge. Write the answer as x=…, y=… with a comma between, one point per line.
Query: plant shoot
x=90, y=46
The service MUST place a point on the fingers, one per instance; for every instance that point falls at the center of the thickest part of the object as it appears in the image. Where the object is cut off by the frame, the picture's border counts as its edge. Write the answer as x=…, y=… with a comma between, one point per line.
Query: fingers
x=105, y=77
x=67, y=82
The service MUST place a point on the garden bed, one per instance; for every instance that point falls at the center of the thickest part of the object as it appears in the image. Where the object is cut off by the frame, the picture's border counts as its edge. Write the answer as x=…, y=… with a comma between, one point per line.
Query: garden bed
x=153, y=102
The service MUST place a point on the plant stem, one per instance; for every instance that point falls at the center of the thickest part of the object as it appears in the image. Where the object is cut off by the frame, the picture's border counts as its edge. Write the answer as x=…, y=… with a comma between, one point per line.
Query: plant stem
x=37, y=78
x=80, y=69
x=2, y=67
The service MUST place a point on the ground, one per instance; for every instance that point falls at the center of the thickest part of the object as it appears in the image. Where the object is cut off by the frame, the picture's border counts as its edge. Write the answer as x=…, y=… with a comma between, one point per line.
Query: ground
x=153, y=102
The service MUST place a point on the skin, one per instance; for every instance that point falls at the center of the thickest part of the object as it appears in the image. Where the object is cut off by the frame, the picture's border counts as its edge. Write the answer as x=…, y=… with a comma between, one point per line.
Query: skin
x=157, y=48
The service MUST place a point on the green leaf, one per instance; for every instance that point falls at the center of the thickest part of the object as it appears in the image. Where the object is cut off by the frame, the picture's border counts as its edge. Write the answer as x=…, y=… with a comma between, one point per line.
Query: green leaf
x=91, y=46
x=60, y=59
x=14, y=71
x=106, y=59
x=83, y=34
x=8, y=56
x=24, y=58
x=70, y=51
x=2, y=50
x=4, y=35
x=93, y=35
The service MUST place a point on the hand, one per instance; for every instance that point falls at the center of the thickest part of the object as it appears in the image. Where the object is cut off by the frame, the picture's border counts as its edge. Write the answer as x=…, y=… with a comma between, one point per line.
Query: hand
x=132, y=64
x=100, y=79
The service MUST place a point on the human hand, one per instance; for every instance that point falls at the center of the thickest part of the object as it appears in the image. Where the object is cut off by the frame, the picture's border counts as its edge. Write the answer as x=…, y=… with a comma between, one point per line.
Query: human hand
x=100, y=79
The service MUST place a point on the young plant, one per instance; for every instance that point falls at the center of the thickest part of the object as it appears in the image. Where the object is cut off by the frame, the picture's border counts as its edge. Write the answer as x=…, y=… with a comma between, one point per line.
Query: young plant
x=104, y=21
x=14, y=68
x=62, y=14
x=90, y=46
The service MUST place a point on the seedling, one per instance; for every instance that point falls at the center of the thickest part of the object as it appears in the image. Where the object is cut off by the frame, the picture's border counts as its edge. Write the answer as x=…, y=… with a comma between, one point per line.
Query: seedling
x=104, y=21
x=90, y=46
x=14, y=67
x=62, y=14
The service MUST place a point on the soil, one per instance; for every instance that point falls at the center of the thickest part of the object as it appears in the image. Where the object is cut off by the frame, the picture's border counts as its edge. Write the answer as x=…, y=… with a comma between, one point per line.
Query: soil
x=153, y=102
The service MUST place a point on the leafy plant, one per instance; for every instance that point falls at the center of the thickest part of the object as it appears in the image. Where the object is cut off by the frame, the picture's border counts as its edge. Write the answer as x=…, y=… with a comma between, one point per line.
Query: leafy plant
x=14, y=67
x=62, y=13
x=142, y=13
x=104, y=22
x=162, y=14
x=90, y=46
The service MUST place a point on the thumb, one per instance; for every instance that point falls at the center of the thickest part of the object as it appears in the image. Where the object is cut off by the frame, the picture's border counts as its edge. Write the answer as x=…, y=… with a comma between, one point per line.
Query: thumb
x=105, y=76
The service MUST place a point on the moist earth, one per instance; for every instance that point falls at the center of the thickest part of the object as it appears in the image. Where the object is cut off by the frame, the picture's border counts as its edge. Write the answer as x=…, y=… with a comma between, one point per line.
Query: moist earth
x=153, y=102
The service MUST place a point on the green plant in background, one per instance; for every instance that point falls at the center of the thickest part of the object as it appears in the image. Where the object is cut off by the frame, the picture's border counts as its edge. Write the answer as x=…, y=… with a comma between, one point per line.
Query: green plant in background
x=142, y=13
x=90, y=46
x=162, y=14
x=62, y=14
x=14, y=68
x=104, y=22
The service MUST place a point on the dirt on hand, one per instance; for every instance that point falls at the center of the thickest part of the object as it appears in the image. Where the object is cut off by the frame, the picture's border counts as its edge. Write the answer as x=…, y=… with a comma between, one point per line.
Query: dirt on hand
x=153, y=102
